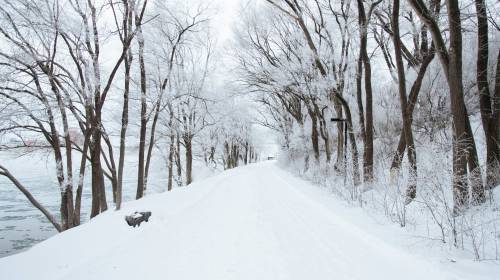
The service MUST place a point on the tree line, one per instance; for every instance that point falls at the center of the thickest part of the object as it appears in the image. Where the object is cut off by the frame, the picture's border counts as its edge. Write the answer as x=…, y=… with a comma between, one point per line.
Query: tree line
x=93, y=81
x=307, y=61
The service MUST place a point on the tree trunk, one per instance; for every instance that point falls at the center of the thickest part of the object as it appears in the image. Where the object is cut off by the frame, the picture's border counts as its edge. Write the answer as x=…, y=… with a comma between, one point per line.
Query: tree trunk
x=496, y=98
x=103, y=204
x=411, y=190
x=477, y=187
x=170, y=162
x=127, y=29
x=451, y=62
x=490, y=123
x=66, y=207
x=352, y=139
x=142, y=135
x=414, y=92
x=111, y=165
x=314, y=133
x=323, y=131
x=151, y=143
x=460, y=135
x=314, y=137
x=340, y=135
x=368, y=147
x=189, y=159
x=227, y=155
x=211, y=157
x=123, y=130
x=79, y=190
x=496, y=119
x=178, y=159
x=245, y=160
x=95, y=159
x=368, y=151
x=359, y=97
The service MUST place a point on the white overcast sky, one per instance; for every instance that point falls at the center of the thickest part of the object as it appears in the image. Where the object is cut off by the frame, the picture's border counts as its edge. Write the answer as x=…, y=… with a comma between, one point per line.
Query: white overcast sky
x=227, y=15
x=227, y=12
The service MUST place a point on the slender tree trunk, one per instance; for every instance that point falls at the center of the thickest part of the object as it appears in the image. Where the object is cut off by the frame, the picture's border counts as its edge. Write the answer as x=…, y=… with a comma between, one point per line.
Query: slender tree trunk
x=314, y=135
x=95, y=159
x=314, y=129
x=232, y=157
x=79, y=190
x=178, y=159
x=496, y=99
x=189, y=159
x=151, y=144
x=323, y=130
x=142, y=135
x=368, y=151
x=56, y=148
x=460, y=135
x=127, y=26
x=66, y=207
x=352, y=139
x=354, y=150
x=476, y=183
x=227, y=155
x=236, y=156
x=211, y=158
x=102, y=198
x=98, y=193
x=496, y=119
x=368, y=147
x=245, y=160
x=490, y=123
x=171, y=151
x=123, y=130
x=69, y=205
x=359, y=97
x=113, y=177
x=411, y=190
x=340, y=135
x=414, y=92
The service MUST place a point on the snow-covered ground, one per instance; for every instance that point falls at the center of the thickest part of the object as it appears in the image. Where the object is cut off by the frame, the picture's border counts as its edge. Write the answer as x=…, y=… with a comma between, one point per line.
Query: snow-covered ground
x=22, y=225
x=253, y=222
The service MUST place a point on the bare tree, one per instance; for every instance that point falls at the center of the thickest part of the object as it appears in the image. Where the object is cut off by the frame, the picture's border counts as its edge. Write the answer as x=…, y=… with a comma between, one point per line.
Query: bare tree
x=143, y=114
x=125, y=30
x=489, y=115
x=176, y=33
x=45, y=82
x=464, y=150
x=192, y=106
x=412, y=156
x=363, y=21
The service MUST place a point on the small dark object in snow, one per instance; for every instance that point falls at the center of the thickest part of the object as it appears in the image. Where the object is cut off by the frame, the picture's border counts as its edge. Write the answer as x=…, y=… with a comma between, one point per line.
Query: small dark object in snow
x=137, y=218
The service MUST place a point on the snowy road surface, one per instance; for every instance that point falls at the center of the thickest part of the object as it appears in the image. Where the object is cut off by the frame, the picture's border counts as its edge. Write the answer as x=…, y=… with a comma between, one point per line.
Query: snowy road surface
x=254, y=222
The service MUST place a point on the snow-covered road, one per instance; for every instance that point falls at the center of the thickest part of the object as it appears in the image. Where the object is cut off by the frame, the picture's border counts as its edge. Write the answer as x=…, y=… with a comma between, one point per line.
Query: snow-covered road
x=254, y=222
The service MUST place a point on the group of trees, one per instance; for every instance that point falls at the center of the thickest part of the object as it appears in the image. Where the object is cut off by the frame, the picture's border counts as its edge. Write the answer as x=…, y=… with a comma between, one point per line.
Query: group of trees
x=81, y=78
x=310, y=60
x=90, y=81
